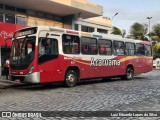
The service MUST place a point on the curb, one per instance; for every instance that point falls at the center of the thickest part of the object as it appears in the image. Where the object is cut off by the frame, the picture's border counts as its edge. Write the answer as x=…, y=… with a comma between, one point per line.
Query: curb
x=3, y=87
x=5, y=83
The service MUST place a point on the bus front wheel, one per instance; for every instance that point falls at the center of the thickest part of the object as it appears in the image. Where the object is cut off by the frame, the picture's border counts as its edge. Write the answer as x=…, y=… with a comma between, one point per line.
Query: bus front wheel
x=70, y=78
x=129, y=74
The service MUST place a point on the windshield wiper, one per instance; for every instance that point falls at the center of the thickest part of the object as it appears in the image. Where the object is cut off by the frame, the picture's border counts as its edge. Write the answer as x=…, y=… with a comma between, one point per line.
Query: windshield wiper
x=22, y=46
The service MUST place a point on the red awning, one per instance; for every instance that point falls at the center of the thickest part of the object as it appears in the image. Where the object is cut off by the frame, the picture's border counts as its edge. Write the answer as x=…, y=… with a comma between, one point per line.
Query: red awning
x=6, y=32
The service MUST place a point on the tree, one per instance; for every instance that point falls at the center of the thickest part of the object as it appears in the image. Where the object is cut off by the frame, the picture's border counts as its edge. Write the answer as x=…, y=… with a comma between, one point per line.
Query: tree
x=156, y=50
x=155, y=37
x=116, y=31
x=138, y=31
x=155, y=34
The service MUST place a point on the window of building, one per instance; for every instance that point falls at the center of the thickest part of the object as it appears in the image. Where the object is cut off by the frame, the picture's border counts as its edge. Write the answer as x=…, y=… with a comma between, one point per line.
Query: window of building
x=1, y=17
x=71, y=44
x=1, y=6
x=48, y=49
x=87, y=29
x=76, y=26
x=148, y=51
x=40, y=15
x=105, y=47
x=102, y=31
x=21, y=20
x=57, y=18
x=10, y=18
x=130, y=49
x=21, y=10
x=11, y=8
x=89, y=46
x=31, y=13
x=118, y=48
x=140, y=50
x=49, y=16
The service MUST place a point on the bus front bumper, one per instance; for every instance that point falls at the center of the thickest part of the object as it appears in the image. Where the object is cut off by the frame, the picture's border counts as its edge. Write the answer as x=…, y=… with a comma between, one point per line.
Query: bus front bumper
x=30, y=78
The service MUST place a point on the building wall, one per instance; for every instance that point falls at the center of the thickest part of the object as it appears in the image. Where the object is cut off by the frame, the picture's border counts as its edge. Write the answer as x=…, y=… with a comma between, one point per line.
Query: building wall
x=33, y=21
x=29, y=17
x=96, y=24
x=84, y=5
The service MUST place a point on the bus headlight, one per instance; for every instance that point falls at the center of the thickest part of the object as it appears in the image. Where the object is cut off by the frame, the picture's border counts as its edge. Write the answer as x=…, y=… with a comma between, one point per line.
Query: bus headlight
x=31, y=70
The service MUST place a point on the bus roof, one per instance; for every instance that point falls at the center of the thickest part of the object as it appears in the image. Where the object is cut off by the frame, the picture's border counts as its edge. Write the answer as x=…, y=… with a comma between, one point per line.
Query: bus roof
x=86, y=34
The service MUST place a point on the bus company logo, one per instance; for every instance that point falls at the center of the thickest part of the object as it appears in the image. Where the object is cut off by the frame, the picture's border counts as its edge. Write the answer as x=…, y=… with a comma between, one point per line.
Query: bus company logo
x=4, y=34
x=6, y=114
x=104, y=62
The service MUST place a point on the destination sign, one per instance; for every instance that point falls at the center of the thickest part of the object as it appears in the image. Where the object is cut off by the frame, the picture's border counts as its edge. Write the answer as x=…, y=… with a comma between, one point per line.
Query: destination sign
x=25, y=32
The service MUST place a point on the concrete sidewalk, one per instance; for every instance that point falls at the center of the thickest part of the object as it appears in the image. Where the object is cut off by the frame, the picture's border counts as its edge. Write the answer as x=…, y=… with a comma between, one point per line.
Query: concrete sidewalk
x=6, y=83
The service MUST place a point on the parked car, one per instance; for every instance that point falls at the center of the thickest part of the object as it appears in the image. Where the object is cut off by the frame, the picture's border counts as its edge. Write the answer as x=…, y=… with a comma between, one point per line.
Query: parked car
x=154, y=64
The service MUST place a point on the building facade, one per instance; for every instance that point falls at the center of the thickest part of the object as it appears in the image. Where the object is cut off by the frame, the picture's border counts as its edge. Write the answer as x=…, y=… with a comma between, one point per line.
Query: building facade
x=95, y=24
x=71, y=14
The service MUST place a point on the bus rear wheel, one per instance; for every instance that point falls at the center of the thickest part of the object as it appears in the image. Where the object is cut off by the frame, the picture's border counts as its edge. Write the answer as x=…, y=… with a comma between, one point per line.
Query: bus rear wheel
x=129, y=74
x=71, y=78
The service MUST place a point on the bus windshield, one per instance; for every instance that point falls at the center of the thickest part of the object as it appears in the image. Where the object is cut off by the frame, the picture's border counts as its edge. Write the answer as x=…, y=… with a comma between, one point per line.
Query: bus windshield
x=22, y=53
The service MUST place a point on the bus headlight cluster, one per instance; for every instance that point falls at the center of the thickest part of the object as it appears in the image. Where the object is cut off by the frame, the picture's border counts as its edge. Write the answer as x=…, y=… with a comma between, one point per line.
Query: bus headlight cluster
x=31, y=70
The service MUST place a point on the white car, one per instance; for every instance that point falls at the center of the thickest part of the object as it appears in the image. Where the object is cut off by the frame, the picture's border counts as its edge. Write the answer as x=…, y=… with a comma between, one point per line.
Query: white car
x=154, y=64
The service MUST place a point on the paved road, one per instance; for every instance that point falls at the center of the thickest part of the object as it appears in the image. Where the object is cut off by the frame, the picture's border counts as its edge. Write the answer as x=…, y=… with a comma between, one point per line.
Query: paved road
x=140, y=94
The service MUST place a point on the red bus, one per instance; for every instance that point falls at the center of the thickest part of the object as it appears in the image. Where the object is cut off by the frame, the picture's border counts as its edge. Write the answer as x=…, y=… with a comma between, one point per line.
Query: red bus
x=47, y=54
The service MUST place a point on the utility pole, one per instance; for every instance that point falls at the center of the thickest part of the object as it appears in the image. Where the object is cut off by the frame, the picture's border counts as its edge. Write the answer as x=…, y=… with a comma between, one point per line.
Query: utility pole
x=114, y=15
x=149, y=18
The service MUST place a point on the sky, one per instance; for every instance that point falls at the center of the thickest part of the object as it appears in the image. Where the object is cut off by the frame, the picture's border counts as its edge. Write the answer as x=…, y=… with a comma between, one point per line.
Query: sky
x=130, y=11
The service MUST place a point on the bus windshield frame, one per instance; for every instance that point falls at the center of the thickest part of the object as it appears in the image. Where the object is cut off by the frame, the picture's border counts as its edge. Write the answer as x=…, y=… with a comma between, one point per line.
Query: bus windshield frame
x=22, y=52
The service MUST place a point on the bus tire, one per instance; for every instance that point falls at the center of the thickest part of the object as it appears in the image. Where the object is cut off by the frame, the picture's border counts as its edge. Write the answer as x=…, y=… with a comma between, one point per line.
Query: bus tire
x=71, y=78
x=129, y=74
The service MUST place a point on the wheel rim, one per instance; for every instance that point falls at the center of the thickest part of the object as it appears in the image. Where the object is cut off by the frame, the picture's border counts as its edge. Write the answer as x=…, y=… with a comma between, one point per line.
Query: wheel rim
x=71, y=78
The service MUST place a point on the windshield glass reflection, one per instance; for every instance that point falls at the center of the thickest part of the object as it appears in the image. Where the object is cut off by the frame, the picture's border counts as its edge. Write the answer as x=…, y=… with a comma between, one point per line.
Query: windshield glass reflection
x=22, y=53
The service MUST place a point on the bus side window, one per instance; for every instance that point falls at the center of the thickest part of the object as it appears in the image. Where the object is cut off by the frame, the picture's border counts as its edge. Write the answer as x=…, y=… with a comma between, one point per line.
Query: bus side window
x=71, y=44
x=140, y=50
x=48, y=49
x=88, y=45
x=102, y=49
x=85, y=49
x=148, y=50
x=105, y=46
x=93, y=49
x=129, y=49
x=118, y=48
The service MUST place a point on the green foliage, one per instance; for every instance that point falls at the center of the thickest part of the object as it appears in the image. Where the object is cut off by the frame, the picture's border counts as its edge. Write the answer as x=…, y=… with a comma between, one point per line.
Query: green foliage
x=155, y=34
x=155, y=38
x=156, y=30
x=156, y=50
x=138, y=31
x=116, y=31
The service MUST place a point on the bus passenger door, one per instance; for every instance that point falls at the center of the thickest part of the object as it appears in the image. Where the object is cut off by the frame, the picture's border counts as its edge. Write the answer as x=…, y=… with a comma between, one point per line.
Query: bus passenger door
x=48, y=58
